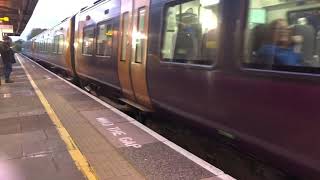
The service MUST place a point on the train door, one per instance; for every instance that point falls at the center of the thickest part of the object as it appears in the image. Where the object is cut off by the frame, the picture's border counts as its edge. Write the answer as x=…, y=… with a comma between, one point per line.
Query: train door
x=133, y=50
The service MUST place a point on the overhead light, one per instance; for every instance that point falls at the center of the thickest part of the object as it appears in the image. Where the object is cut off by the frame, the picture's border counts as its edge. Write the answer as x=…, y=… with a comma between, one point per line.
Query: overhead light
x=208, y=19
x=205, y=3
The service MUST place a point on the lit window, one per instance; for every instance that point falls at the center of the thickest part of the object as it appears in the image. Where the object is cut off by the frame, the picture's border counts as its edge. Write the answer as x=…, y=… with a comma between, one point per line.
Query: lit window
x=139, y=37
x=61, y=44
x=56, y=44
x=88, y=37
x=191, y=32
x=125, y=36
x=104, y=39
x=282, y=37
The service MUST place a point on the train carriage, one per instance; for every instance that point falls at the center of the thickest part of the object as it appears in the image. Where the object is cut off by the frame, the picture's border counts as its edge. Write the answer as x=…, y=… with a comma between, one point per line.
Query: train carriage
x=245, y=68
x=54, y=46
x=96, y=39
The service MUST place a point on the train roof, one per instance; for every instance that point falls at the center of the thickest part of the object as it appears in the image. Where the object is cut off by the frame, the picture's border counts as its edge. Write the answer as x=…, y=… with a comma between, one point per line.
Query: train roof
x=52, y=28
x=98, y=2
x=84, y=9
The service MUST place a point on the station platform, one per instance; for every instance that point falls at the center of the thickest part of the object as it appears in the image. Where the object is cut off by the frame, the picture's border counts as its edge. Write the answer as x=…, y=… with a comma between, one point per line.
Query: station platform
x=50, y=129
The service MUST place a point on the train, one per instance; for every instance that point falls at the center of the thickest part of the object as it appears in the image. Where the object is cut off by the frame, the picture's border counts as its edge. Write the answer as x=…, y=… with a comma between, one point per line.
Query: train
x=248, y=69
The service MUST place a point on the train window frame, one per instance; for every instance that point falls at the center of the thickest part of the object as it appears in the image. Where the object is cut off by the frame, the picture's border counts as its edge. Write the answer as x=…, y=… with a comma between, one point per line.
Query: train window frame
x=52, y=45
x=216, y=61
x=143, y=47
x=45, y=45
x=48, y=45
x=123, y=45
x=42, y=45
x=60, y=50
x=55, y=44
x=94, y=37
x=288, y=72
x=106, y=22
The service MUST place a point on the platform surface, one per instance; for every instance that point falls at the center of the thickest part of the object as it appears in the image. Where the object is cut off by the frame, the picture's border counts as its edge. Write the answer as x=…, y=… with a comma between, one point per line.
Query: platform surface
x=114, y=145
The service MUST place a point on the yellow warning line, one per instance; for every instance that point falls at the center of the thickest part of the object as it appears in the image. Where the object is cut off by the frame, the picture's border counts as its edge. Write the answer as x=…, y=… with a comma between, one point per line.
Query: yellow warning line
x=79, y=159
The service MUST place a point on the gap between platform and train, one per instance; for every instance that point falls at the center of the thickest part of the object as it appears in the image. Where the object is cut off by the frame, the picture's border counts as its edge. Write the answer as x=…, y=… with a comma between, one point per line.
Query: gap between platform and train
x=217, y=172
x=76, y=155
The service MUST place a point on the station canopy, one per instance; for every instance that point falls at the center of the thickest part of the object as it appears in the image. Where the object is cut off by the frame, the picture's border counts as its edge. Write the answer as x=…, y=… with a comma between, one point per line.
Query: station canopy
x=14, y=15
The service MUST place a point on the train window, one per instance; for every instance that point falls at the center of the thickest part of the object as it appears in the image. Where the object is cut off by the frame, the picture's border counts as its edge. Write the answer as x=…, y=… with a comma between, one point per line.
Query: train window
x=104, y=39
x=125, y=35
x=52, y=45
x=283, y=36
x=48, y=45
x=140, y=37
x=44, y=46
x=191, y=32
x=88, y=37
x=56, y=44
x=61, y=44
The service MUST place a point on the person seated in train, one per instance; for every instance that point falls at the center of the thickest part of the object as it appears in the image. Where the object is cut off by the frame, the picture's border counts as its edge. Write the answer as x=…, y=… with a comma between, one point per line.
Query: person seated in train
x=278, y=48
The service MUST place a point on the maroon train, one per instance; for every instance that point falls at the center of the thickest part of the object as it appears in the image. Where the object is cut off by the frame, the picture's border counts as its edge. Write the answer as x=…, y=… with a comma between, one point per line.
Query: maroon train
x=249, y=69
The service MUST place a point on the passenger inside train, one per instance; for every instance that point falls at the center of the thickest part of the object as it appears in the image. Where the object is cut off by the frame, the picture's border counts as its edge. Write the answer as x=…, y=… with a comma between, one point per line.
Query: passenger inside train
x=283, y=34
x=278, y=46
x=191, y=32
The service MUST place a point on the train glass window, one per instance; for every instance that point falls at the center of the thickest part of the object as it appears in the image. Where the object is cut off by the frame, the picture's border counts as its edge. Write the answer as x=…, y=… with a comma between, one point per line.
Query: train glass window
x=44, y=46
x=56, y=44
x=104, y=39
x=48, y=45
x=191, y=32
x=140, y=37
x=125, y=35
x=88, y=37
x=52, y=45
x=283, y=36
x=61, y=44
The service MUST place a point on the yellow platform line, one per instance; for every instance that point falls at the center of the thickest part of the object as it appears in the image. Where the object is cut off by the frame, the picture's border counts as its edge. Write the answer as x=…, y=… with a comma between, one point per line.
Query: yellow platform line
x=79, y=159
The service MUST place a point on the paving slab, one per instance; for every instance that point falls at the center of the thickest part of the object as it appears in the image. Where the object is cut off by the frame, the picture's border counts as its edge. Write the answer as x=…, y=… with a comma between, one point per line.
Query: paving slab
x=10, y=126
x=36, y=122
x=31, y=149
